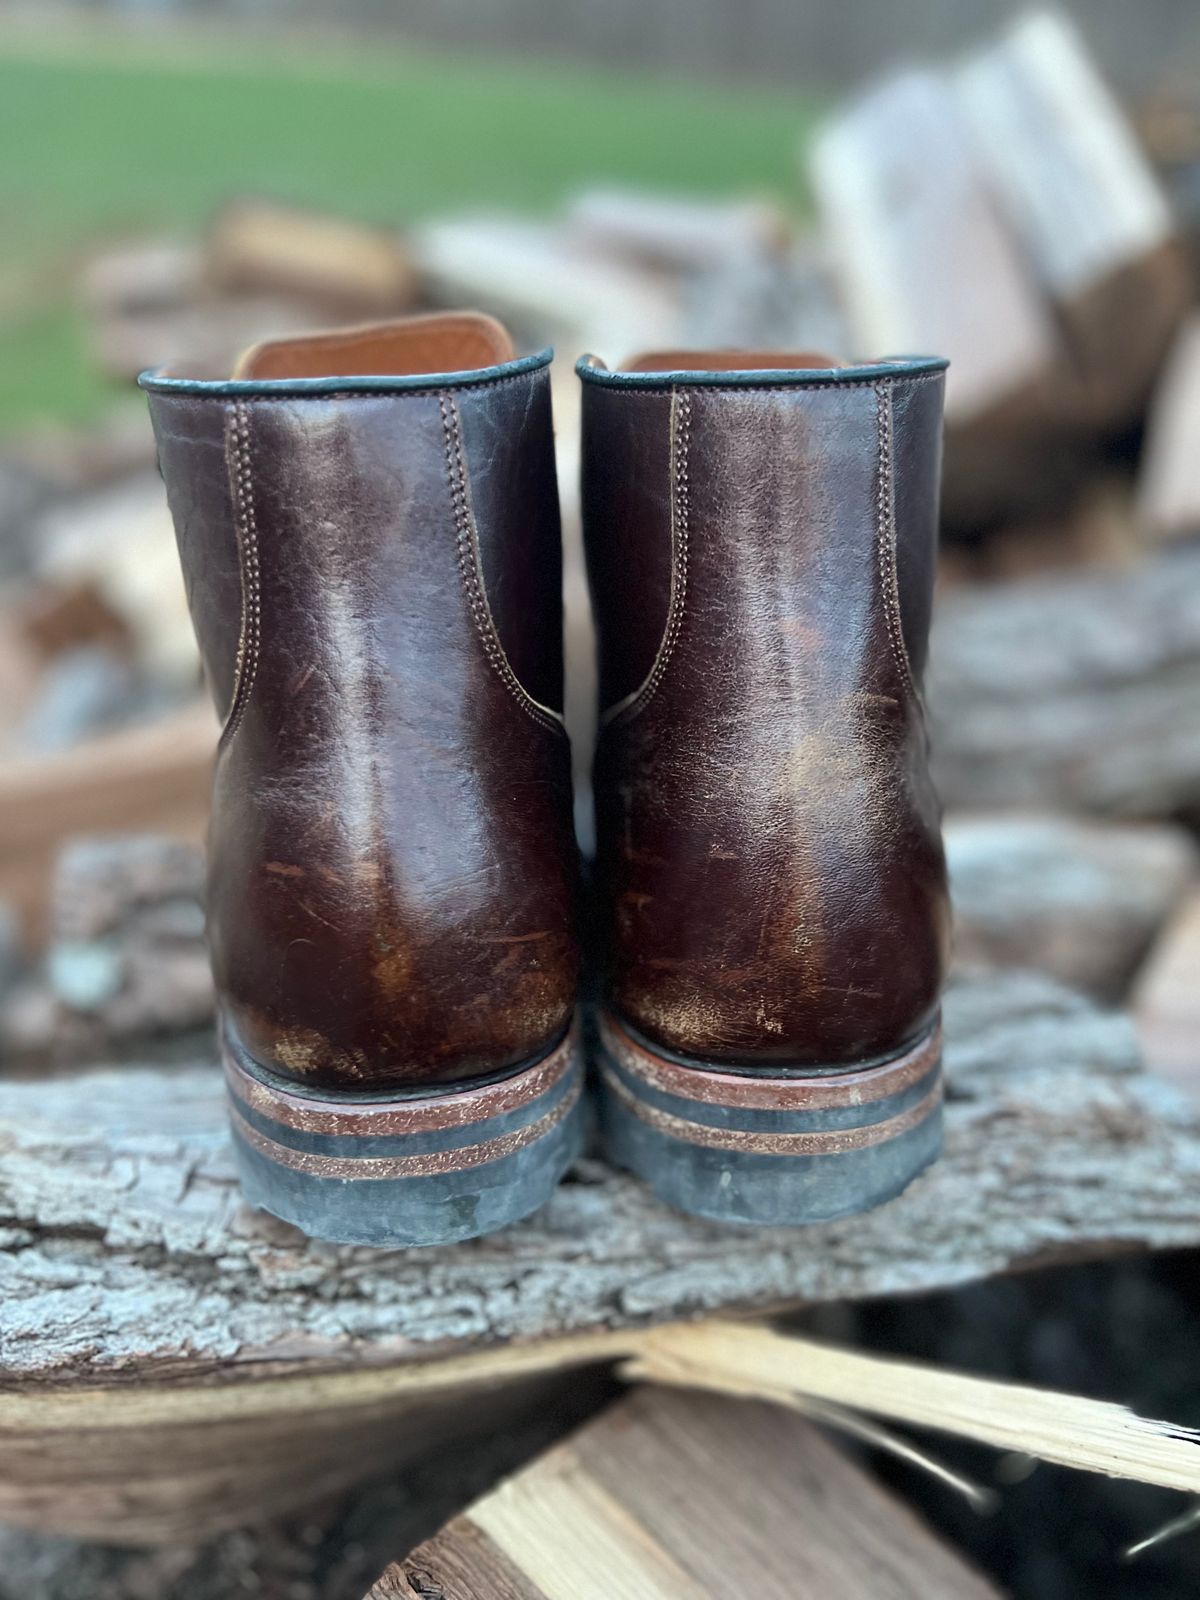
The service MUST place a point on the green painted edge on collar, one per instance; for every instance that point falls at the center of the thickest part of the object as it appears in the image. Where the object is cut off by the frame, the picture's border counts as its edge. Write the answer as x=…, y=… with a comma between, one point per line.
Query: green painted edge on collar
x=156, y=381
x=762, y=377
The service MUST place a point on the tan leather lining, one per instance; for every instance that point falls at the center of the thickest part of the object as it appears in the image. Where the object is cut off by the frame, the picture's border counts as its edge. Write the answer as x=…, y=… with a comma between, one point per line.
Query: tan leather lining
x=729, y=361
x=460, y=341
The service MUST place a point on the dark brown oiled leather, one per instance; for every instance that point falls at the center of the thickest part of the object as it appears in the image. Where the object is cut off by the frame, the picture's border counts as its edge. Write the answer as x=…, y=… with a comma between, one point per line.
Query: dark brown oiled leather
x=375, y=582
x=770, y=872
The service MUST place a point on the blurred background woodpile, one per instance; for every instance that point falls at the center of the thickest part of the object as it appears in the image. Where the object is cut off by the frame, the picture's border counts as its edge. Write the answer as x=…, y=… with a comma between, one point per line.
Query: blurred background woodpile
x=1002, y=208
x=1002, y=205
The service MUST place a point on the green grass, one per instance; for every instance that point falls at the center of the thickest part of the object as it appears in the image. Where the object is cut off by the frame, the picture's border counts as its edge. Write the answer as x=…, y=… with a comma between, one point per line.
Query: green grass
x=101, y=143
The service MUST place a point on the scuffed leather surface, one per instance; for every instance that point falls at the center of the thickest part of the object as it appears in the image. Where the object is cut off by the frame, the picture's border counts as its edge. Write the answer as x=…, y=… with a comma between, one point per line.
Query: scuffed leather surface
x=392, y=867
x=509, y=439
x=625, y=477
x=190, y=435
x=917, y=477
x=770, y=874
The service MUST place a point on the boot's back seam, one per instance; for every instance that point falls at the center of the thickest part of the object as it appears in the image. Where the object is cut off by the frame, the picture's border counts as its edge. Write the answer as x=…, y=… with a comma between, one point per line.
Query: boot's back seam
x=469, y=566
x=246, y=525
x=885, y=530
x=639, y=698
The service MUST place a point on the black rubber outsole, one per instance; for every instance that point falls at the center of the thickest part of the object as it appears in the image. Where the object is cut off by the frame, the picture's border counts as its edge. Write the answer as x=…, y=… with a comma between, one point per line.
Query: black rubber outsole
x=425, y=1169
x=769, y=1151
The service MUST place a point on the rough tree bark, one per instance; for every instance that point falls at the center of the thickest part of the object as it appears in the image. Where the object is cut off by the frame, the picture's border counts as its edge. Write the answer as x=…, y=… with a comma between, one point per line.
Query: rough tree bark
x=1076, y=693
x=171, y=1360
x=1080, y=900
x=128, y=1250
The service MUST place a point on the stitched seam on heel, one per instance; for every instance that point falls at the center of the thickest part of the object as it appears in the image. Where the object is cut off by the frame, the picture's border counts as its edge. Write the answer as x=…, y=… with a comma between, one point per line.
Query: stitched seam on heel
x=469, y=566
x=246, y=527
x=681, y=422
x=885, y=535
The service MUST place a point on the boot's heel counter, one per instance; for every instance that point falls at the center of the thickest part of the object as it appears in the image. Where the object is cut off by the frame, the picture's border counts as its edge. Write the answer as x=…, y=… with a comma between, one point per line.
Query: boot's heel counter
x=193, y=436
x=915, y=449
x=391, y=855
x=500, y=463
x=626, y=477
x=769, y=843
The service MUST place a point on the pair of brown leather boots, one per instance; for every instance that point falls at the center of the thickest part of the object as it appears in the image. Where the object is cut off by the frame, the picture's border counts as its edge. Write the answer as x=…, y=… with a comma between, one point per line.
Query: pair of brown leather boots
x=369, y=530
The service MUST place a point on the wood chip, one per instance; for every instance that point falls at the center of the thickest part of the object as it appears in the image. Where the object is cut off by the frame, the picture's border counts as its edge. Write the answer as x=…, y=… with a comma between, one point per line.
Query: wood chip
x=678, y=1497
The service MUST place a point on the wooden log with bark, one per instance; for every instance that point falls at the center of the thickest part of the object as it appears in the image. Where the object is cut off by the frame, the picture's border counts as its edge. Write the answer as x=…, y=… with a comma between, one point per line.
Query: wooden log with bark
x=155, y=776
x=686, y=1495
x=1072, y=693
x=1080, y=900
x=348, y=268
x=142, y=276
x=548, y=284
x=173, y=1361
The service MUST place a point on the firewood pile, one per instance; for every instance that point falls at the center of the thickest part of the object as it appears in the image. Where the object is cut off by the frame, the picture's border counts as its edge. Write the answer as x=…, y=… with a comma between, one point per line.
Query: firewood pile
x=1003, y=210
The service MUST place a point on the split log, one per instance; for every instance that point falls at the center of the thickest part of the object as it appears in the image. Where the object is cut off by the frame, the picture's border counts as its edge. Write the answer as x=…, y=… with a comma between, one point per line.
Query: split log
x=144, y=276
x=329, y=1550
x=548, y=285
x=121, y=541
x=264, y=270
x=1003, y=215
x=1079, y=900
x=928, y=263
x=687, y=1495
x=171, y=1359
x=154, y=777
x=203, y=337
x=1085, y=205
x=258, y=247
x=58, y=618
x=674, y=231
x=128, y=961
x=1075, y=693
x=1169, y=482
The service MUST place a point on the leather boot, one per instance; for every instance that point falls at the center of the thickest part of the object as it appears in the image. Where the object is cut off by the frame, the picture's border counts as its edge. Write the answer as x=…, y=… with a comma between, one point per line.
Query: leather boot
x=761, y=534
x=368, y=527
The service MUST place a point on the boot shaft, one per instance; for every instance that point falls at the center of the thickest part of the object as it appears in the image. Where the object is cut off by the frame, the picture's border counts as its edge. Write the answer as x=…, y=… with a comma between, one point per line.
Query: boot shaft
x=374, y=572
x=761, y=551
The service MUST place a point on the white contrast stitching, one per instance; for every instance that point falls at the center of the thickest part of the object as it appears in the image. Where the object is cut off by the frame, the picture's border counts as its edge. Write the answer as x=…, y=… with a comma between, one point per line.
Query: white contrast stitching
x=681, y=420
x=785, y=385
x=885, y=529
x=250, y=641
x=469, y=567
